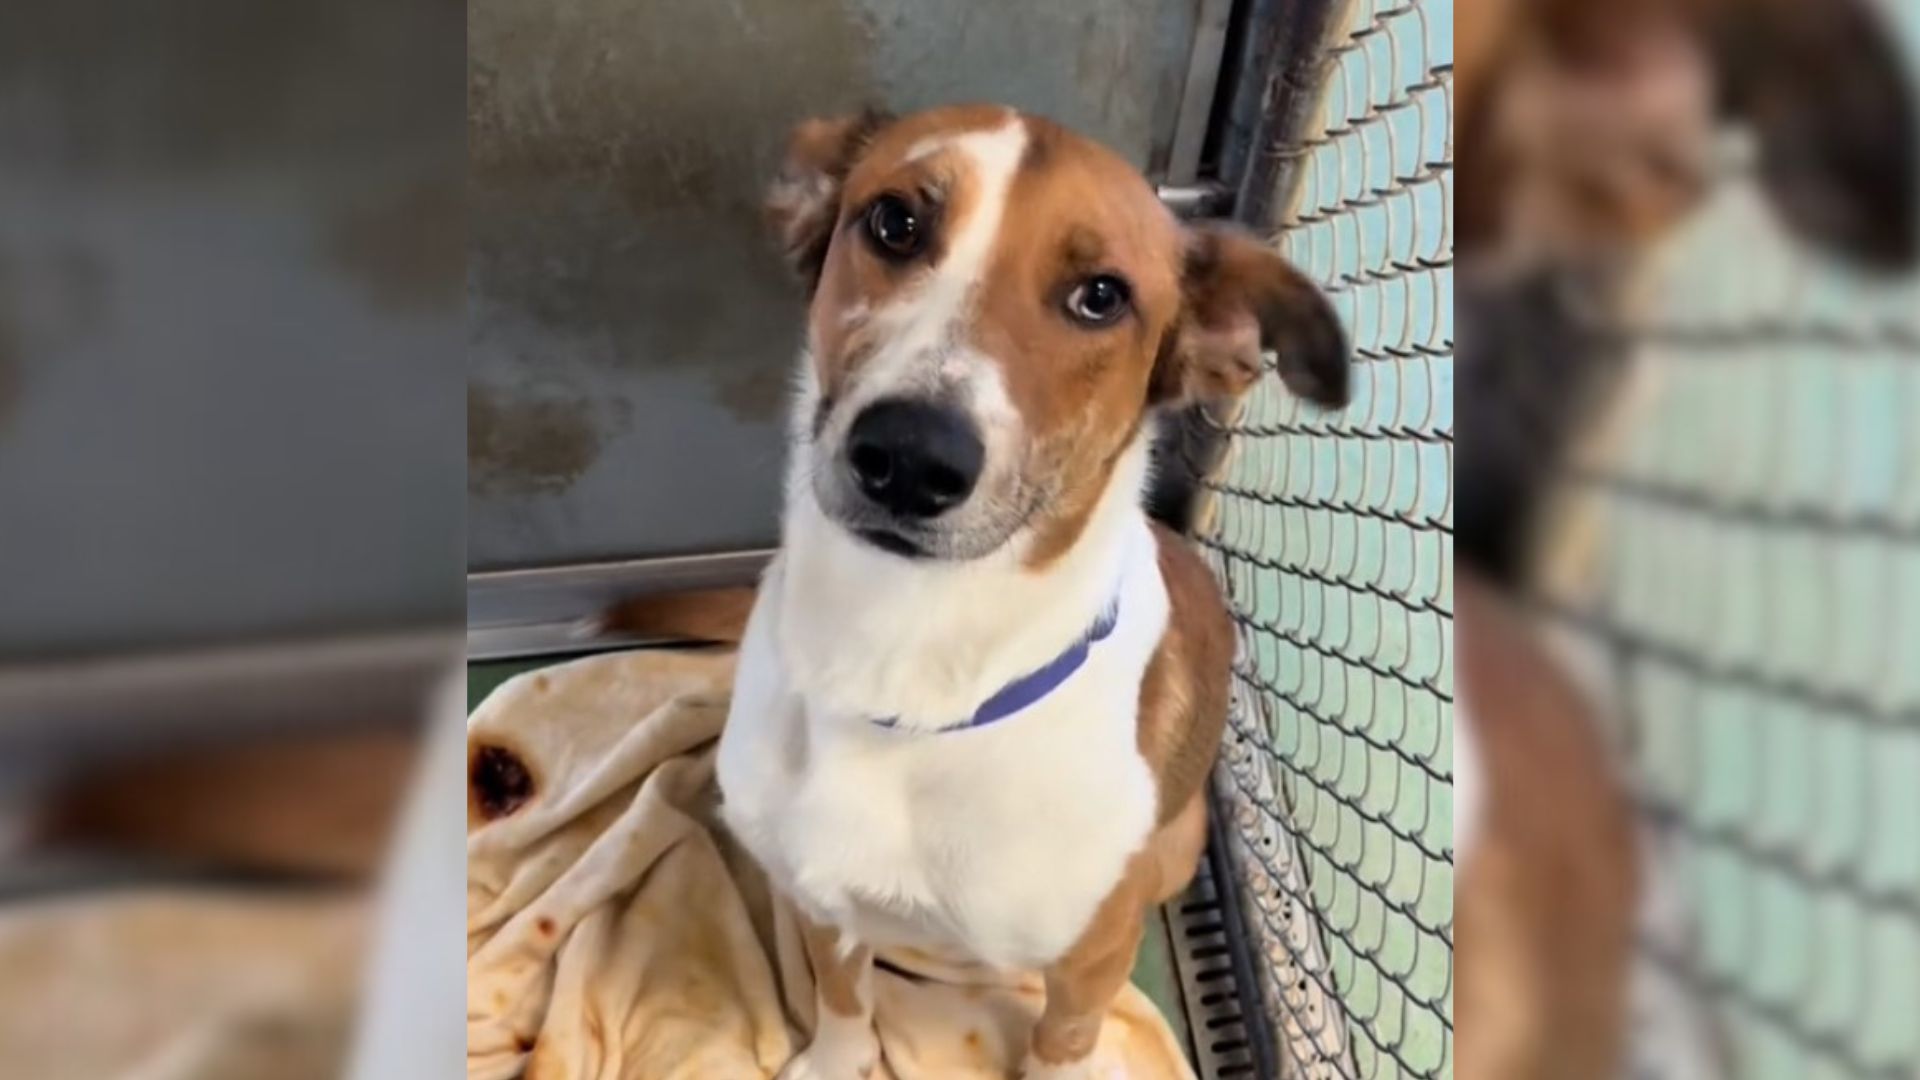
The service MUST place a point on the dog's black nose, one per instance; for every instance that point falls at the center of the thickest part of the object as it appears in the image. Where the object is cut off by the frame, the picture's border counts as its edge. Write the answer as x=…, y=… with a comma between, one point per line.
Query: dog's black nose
x=914, y=458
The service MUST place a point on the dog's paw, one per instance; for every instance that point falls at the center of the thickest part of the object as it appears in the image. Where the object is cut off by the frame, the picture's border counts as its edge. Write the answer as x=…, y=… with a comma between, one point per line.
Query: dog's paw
x=834, y=1059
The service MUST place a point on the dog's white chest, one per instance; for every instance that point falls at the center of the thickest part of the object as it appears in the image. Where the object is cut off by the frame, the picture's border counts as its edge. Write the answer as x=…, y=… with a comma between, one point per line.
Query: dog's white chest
x=997, y=841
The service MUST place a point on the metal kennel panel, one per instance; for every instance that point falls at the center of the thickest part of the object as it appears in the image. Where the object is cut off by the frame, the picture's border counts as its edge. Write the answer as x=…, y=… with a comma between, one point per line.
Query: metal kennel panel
x=1334, y=537
x=1752, y=611
x=631, y=332
x=205, y=271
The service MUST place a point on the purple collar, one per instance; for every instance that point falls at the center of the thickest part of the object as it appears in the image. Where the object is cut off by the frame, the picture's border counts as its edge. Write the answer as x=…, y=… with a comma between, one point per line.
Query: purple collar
x=1028, y=689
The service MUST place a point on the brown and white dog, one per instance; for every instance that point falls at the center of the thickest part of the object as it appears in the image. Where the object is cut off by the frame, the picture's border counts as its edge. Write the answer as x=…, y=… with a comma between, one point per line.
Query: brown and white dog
x=979, y=692
x=1585, y=134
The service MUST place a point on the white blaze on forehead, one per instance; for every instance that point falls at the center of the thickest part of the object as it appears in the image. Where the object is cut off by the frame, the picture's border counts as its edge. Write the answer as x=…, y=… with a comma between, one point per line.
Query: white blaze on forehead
x=927, y=147
x=992, y=158
x=924, y=323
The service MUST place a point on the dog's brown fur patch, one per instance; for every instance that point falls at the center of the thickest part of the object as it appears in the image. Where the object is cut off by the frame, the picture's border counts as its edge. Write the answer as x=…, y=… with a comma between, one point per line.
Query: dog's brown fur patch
x=836, y=977
x=708, y=615
x=1082, y=983
x=1545, y=901
x=1183, y=696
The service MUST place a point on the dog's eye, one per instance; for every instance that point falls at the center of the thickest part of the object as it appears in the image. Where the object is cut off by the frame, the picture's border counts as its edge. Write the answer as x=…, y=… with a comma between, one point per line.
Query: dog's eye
x=893, y=227
x=1099, y=300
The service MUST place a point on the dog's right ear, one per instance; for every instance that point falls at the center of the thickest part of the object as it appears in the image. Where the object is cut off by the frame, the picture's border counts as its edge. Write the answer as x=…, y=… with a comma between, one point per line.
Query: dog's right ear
x=804, y=200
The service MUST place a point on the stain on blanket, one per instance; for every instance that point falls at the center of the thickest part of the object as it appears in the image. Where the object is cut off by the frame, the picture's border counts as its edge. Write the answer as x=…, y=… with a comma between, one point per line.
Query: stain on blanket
x=977, y=1054
x=498, y=782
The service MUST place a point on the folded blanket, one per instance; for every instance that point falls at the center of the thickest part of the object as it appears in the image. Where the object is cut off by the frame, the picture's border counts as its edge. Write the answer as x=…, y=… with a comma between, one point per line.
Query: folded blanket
x=614, y=931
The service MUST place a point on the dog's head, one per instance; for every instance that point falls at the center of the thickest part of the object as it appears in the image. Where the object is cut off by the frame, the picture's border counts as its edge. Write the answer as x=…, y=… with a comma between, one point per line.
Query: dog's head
x=1586, y=133
x=1586, y=128
x=998, y=305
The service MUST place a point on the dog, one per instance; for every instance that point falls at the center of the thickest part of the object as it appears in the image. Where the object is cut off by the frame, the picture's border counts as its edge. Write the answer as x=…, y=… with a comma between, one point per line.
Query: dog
x=979, y=690
x=1587, y=136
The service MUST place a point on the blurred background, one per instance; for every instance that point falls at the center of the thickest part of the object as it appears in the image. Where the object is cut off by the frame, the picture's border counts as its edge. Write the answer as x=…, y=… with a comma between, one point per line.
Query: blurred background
x=1690, y=366
x=231, y=513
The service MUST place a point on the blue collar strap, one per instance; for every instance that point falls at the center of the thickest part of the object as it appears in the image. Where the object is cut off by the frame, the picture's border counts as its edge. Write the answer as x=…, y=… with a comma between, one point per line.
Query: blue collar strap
x=1028, y=689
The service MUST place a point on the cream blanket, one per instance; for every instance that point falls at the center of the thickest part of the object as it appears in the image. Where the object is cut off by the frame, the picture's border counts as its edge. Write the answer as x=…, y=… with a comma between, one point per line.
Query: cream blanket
x=613, y=931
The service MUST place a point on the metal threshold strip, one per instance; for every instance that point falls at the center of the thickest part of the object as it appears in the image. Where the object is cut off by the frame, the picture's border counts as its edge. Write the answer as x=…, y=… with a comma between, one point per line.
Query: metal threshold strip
x=295, y=684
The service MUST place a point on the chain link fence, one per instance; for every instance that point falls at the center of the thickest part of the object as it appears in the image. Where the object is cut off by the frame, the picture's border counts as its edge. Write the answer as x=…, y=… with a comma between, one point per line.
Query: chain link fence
x=1741, y=585
x=1334, y=536
x=1746, y=595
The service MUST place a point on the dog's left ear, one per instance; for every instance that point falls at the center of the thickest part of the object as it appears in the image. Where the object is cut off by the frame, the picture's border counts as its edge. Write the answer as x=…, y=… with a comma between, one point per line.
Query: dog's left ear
x=803, y=202
x=1238, y=296
x=1825, y=87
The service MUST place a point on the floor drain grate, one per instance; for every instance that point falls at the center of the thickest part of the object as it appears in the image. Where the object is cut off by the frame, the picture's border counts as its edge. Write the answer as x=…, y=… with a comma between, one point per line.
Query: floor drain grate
x=1216, y=978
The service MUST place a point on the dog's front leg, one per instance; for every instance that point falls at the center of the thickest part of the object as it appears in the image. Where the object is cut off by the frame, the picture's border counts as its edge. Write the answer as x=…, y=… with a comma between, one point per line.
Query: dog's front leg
x=1080, y=987
x=843, y=1046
